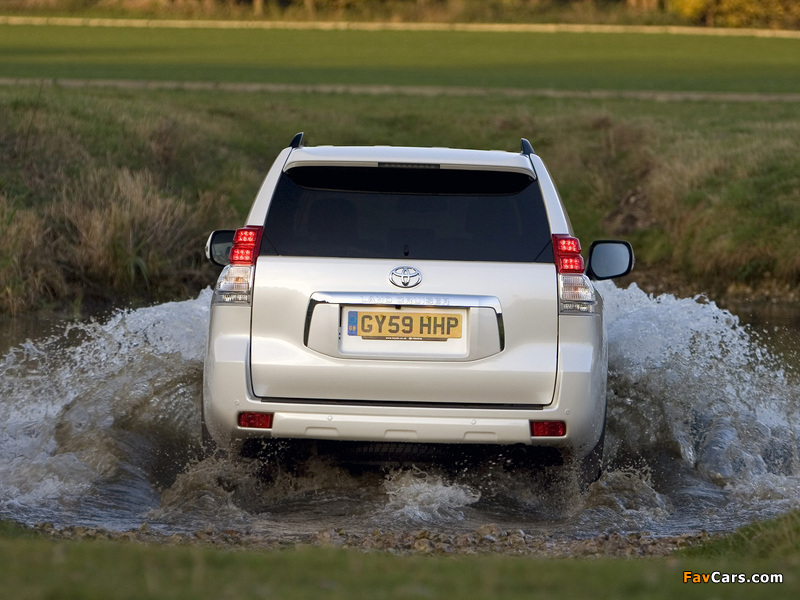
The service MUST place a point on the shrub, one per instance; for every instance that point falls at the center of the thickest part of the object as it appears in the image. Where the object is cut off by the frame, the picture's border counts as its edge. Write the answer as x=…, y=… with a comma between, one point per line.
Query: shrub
x=739, y=13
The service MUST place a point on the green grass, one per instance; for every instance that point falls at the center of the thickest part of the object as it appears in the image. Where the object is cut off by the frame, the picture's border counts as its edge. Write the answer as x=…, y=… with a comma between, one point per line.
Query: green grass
x=569, y=61
x=34, y=567
x=707, y=190
x=767, y=540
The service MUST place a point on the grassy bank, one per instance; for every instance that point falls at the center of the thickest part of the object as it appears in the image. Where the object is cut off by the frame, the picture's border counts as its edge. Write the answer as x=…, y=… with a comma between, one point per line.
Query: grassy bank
x=34, y=567
x=768, y=540
x=107, y=195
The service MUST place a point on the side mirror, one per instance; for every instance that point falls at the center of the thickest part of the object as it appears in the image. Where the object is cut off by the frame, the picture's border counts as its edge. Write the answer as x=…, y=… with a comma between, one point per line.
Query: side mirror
x=218, y=246
x=609, y=259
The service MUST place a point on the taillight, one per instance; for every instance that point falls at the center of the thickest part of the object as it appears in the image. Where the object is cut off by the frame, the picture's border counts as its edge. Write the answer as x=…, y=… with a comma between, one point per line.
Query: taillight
x=548, y=428
x=235, y=283
x=255, y=420
x=567, y=251
x=245, y=246
x=576, y=293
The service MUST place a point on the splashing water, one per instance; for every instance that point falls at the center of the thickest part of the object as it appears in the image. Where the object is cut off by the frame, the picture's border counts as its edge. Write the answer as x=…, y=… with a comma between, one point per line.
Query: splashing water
x=94, y=417
x=699, y=401
x=99, y=426
x=418, y=496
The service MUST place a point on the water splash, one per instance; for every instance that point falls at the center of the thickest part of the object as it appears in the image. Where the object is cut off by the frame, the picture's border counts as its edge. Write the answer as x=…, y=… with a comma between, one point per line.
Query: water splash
x=99, y=425
x=699, y=400
x=95, y=416
x=421, y=497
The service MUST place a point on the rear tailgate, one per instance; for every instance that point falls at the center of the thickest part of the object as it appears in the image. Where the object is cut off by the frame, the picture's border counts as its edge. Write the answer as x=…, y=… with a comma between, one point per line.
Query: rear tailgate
x=321, y=331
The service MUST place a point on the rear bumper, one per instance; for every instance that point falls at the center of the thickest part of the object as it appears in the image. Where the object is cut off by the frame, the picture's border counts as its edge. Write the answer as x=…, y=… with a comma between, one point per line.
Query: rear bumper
x=579, y=400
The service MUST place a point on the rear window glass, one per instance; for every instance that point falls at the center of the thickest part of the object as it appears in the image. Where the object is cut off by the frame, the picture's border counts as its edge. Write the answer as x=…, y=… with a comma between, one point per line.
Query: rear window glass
x=408, y=212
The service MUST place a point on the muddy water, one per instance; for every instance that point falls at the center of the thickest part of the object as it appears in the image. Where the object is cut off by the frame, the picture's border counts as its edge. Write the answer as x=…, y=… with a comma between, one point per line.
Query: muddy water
x=99, y=426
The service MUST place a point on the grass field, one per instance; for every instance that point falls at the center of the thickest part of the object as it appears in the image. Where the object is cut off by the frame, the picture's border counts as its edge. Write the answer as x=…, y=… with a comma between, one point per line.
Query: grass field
x=130, y=181
x=110, y=193
x=573, y=61
x=34, y=567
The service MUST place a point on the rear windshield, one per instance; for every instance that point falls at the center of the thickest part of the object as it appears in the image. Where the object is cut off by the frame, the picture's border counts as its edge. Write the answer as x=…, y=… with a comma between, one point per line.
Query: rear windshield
x=410, y=212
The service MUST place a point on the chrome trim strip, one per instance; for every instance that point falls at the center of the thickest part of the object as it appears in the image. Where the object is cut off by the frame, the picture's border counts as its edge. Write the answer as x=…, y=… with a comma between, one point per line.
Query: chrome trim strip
x=402, y=404
x=312, y=304
x=400, y=299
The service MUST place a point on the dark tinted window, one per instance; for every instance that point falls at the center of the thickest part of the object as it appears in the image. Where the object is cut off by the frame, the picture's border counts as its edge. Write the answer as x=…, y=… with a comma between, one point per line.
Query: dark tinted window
x=412, y=212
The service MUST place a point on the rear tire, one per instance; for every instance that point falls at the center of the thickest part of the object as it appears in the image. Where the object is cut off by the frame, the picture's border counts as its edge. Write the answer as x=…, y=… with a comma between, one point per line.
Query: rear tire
x=208, y=446
x=591, y=465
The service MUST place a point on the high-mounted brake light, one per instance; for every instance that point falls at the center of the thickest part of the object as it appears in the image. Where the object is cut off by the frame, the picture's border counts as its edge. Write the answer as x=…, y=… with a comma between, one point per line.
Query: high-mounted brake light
x=567, y=251
x=245, y=245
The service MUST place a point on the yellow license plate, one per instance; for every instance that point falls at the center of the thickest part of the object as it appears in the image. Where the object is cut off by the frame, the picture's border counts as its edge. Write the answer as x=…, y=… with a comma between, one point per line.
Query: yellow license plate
x=419, y=326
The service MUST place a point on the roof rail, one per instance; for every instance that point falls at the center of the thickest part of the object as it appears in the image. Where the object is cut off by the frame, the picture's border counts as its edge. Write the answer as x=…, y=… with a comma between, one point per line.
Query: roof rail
x=527, y=149
x=297, y=141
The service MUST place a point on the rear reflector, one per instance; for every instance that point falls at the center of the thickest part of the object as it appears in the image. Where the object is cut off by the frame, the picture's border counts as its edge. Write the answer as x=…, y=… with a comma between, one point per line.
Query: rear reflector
x=548, y=428
x=255, y=420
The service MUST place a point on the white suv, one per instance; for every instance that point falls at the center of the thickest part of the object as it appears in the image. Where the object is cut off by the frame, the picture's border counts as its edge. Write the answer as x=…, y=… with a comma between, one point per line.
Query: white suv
x=389, y=302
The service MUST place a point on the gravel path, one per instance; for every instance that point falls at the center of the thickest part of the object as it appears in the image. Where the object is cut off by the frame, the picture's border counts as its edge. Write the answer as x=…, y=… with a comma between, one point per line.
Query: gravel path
x=486, y=539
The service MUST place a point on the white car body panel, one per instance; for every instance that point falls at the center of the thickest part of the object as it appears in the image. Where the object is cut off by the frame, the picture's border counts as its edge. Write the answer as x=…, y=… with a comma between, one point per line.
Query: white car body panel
x=579, y=400
x=284, y=367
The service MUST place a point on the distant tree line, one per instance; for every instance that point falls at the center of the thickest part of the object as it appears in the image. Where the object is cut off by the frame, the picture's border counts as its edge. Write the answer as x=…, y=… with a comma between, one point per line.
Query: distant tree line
x=724, y=13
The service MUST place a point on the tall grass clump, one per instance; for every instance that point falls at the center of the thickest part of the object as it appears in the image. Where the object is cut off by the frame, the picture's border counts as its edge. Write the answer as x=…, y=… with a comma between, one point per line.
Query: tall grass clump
x=109, y=202
x=112, y=235
x=777, y=538
x=29, y=276
x=116, y=228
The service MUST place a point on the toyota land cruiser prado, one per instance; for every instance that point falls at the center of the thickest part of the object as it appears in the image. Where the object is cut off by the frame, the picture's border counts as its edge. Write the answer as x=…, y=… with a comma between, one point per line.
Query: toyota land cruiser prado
x=405, y=300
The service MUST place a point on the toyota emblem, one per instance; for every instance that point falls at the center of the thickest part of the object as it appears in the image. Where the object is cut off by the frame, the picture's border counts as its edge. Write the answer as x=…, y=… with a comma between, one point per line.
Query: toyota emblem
x=405, y=277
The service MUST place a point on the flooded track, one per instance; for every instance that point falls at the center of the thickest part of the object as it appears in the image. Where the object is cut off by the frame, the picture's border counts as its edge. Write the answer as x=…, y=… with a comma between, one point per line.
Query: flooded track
x=99, y=427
